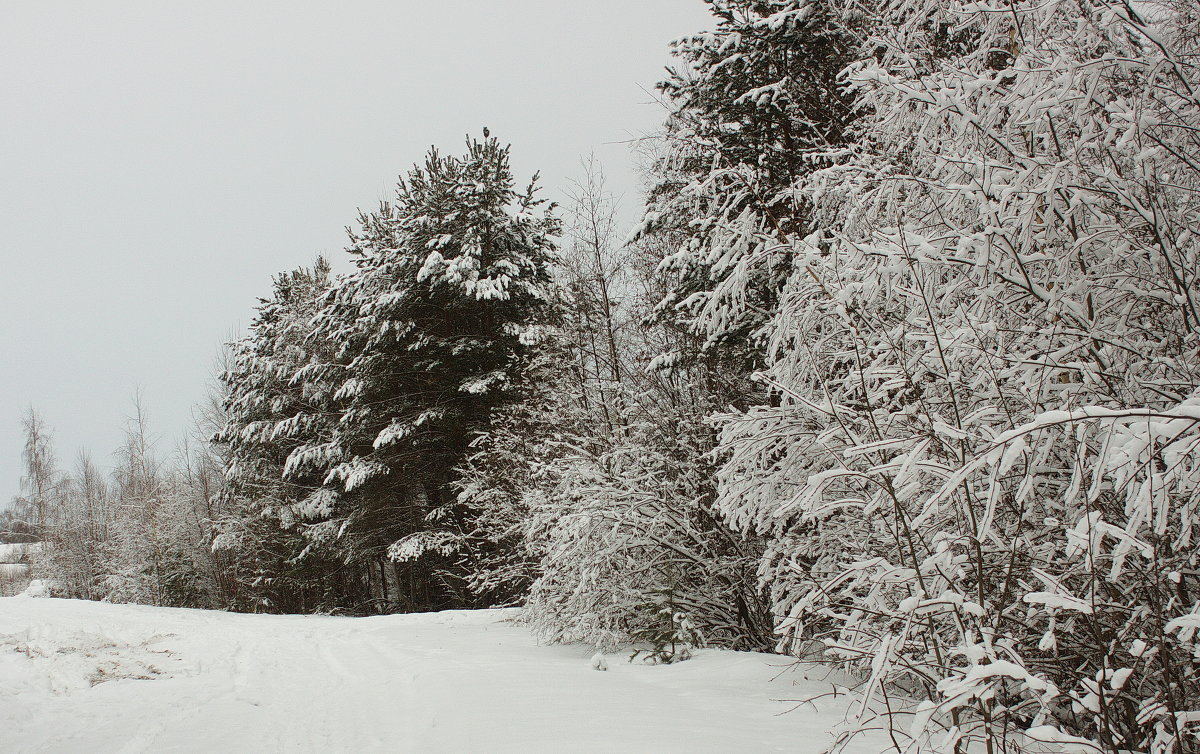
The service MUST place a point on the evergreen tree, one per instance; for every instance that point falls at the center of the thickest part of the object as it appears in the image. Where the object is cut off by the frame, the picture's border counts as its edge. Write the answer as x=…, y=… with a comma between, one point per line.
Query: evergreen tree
x=275, y=505
x=433, y=330
x=756, y=104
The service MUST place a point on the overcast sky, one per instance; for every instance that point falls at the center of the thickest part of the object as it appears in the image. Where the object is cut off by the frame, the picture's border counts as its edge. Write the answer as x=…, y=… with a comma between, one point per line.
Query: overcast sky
x=160, y=161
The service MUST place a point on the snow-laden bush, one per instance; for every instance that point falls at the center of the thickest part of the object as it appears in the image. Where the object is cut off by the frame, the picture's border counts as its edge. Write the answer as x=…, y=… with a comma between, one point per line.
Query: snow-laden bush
x=633, y=552
x=978, y=472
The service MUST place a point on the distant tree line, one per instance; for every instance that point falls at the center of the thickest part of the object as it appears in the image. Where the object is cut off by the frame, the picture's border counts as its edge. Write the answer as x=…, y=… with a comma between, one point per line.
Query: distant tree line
x=141, y=533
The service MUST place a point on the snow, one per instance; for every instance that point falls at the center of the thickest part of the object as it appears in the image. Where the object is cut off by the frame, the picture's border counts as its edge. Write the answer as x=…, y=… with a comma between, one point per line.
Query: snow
x=96, y=677
x=13, y=571
x=17, y=552
x=40, y=588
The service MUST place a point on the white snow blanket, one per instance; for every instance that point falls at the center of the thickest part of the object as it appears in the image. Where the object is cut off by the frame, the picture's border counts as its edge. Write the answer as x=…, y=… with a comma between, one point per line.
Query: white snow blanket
x=91, y=677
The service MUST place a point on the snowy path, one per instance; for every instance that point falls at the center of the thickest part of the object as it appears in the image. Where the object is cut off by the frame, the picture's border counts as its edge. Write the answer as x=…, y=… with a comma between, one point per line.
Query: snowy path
x=90, y=677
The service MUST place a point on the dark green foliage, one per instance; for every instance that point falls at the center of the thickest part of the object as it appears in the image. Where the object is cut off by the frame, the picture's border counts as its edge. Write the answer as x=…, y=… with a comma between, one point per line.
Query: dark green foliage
x=753, y=104
x=355, y=398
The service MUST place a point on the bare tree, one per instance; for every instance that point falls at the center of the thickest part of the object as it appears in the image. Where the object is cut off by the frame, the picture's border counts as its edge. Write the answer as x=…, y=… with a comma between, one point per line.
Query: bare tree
x=41, y=481
x=594, y=272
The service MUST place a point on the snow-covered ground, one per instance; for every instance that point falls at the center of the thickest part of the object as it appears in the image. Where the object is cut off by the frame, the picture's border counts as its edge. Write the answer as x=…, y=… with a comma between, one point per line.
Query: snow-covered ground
x=90, y=677
x=14, y=566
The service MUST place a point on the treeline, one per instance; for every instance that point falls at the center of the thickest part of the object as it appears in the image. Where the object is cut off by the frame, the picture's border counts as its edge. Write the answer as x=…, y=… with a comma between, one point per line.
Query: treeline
x=139, y=533
x=900, y=368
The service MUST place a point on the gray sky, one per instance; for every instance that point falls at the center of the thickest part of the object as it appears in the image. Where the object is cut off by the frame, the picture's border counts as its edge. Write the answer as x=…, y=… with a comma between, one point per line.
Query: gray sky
x=159, y=161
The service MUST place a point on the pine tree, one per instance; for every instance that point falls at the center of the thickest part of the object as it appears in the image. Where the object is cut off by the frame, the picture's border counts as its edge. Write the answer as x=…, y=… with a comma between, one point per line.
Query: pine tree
x=433, y=331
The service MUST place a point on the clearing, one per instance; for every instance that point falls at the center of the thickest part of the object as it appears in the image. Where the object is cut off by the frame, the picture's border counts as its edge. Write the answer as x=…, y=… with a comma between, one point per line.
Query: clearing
x=90, y=677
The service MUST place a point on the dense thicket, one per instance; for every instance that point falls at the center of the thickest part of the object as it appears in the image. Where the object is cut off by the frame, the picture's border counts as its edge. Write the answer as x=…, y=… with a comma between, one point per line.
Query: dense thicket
x=978, y=474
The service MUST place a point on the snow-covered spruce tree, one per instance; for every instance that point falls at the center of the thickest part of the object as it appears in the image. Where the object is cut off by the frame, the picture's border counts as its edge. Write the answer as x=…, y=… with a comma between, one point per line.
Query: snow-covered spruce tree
x=272, y=407
x=431, y=330
x=979, y=474
x=754, y=105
